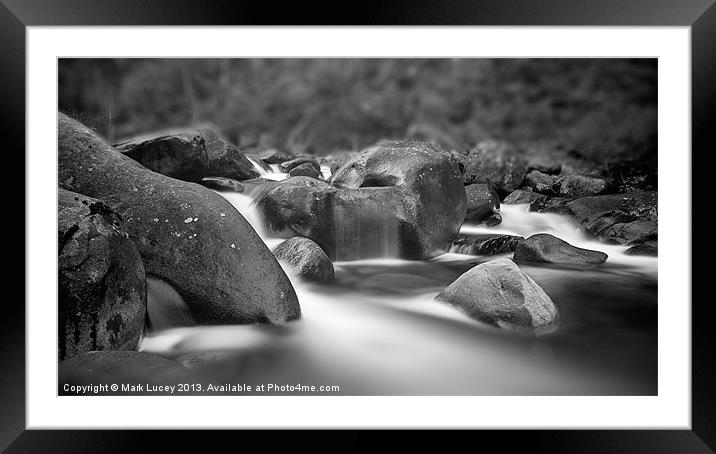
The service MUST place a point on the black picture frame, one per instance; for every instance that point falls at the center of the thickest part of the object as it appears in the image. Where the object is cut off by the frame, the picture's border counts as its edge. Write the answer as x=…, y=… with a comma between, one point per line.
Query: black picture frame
x=16, y=15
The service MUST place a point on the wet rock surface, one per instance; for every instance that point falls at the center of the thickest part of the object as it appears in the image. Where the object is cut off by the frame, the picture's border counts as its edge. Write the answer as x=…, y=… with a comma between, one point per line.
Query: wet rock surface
x=581, y=186
x=188, y=154
x=519, y=196
x=102, y=295
x=499, y=293
x=546, y=248
x=187, y=235
x=482, y=204
x=306, y=259
x=307, y=169
x=222, y=184
x=396, y=199
x=620, y=218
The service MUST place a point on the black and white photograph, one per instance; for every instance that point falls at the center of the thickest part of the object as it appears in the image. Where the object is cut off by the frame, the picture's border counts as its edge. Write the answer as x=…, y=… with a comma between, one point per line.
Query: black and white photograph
x=357, y=226
x=438, y=220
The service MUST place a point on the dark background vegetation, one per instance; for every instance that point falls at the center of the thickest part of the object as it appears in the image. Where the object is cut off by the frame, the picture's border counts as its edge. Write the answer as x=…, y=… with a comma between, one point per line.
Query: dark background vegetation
x=601, y=110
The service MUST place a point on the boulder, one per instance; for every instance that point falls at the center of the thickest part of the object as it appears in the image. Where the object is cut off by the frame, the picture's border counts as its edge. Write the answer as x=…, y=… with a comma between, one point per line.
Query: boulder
x=482, y=203
x=305, y=258
x=493, y=220
x=274, y=156
x=540, y=182
x=396, y=199
x=189, y=154
x=580, y=186
x=347, y=224
x=499, y=293
x=621, y=218
x=298, y=206
x=626, y=232
x=519, y=196
x=484, y=244
x=222, y=184
x=187, y=235
x=121, y=368
x=546, y=204
x=427, y=183
x=634, y=205
x=305, y=170
x=545, y=248
x=499, y=164
x=649, y=249
x=287, y=166
x=102, y=293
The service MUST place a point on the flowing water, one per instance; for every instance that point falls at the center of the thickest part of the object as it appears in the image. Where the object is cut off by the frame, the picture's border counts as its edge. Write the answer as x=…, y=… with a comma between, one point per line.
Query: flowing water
x=377, y=331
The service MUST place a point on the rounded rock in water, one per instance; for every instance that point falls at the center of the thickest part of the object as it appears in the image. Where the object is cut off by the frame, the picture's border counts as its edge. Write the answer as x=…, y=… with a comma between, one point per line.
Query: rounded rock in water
x=499, y=293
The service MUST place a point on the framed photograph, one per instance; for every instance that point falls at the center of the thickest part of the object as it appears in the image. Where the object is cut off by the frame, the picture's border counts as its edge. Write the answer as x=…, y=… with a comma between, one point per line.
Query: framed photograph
x=421, y=218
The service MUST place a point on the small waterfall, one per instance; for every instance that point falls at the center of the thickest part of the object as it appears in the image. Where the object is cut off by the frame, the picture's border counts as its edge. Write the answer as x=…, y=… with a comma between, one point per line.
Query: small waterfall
x=484, y=245
x=520, y=221
x=243, y=203
x=365, y=224
x=364, y=221
x=326, y=172
x=275, y=174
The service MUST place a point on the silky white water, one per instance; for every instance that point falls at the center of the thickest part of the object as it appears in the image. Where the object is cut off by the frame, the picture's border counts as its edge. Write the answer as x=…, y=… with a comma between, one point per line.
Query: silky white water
x=518, y=220
x=275, y=174
x=377, y=330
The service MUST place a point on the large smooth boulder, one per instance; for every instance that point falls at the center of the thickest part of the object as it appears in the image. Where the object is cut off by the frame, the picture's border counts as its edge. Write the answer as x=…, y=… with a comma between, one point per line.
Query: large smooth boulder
x=428, y=181
x=546, y=248
x=499, y=293
x=621, y=218
x=305, y=258
x=102, y=292
x=187, y=235
x=396, y=199
x=122, y=368
x=483, y=204
x=189, y=154
x=499, y=164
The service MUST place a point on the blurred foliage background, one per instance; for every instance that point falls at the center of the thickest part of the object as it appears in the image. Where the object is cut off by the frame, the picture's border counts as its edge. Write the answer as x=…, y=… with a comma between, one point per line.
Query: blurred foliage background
x=602, y=110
